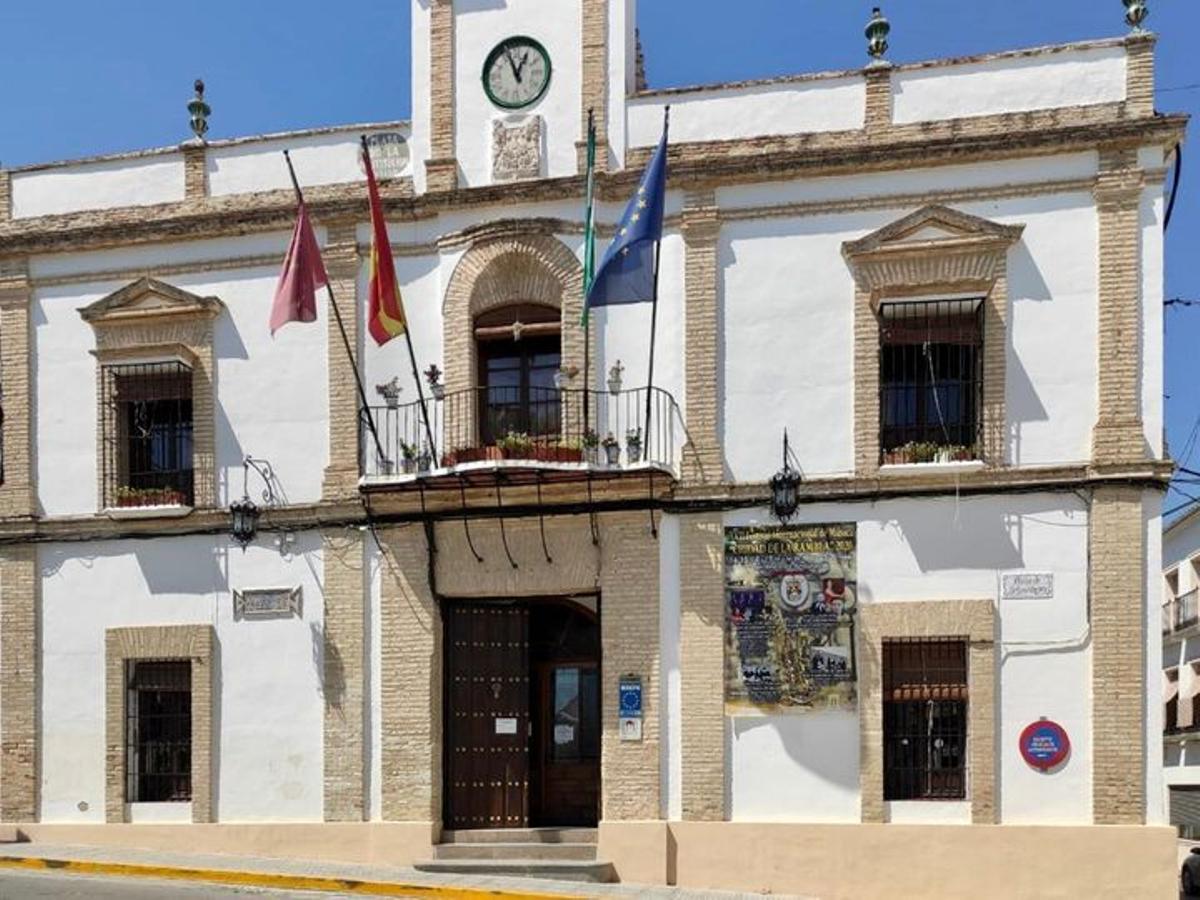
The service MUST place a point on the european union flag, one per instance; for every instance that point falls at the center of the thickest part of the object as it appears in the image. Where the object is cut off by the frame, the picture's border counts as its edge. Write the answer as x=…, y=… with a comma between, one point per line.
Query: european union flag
x=626, y=274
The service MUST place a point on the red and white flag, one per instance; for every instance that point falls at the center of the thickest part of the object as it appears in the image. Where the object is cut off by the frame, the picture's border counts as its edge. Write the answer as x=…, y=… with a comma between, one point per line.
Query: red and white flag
x=303, y=273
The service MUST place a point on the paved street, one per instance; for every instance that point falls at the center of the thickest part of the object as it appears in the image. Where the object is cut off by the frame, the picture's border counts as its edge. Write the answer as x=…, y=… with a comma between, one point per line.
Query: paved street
x=37, y=885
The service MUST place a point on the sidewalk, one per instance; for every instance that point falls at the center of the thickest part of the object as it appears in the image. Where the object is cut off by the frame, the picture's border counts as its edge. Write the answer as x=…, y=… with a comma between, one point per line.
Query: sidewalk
x=284, y=874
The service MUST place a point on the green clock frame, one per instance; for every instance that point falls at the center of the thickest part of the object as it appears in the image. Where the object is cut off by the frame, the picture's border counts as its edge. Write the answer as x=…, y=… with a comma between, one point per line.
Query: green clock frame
x=495, y=54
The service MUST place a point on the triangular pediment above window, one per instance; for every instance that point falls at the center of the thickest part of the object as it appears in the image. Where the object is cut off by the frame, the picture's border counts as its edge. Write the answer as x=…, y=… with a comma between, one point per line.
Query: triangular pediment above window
x=933, y=225
x=149, y=298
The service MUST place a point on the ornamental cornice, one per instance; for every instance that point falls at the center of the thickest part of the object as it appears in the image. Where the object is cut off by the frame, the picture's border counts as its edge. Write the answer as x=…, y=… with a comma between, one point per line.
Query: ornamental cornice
x=694, y=166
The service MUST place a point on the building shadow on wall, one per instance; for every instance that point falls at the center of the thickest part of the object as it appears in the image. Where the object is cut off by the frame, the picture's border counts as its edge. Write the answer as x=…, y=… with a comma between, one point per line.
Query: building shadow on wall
x=1025, y=285
x=956, y=534
x=331, y=670
x=177, y=567
x=806, y=738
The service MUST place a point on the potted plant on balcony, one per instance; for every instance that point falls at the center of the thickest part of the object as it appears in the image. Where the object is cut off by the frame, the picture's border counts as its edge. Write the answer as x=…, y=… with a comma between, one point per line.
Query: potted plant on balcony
x=591, y=447
x=408, y=455
x=131, y=497
x=612, y=449
x=633, y=446
x=433, y=377
x=565, y=451
x=390, y=392
x=516, y=445
x=424, y=460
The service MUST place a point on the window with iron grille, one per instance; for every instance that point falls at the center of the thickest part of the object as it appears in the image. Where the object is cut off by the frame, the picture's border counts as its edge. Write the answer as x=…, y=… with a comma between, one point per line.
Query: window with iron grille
x=931, y=380
x=925, y=719
x=158, y=731
x=146, y=412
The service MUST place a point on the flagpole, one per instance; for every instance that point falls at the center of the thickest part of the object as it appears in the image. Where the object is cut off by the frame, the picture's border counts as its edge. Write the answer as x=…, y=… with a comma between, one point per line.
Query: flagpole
x=588, y=270
x=362, y=394
x=654, y=307
x=412, y=357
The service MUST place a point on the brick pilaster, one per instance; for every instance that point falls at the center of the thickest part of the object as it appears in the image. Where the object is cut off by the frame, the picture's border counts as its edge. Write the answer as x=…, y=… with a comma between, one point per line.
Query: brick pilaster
x=866, y=385
x=595, y=81
x=1117, y=587
x=702, y=665
x=342, y=681
x=18, y=495
x=701, y=229
x=341, y=263
x=1139, y=75
x=632, y=781
x=195, y=170
x=410, y=680
x=441, y=169
x=5, y=195
x=19, y=652
x=878, y=118
x=1118, y=435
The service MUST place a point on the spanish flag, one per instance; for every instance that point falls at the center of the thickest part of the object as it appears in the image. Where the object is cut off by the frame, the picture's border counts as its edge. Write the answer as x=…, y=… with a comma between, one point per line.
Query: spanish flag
x=386, y=308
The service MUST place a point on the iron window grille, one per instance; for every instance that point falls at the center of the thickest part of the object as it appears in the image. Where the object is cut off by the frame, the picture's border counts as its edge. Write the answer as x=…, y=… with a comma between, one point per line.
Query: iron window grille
x=158, y=731
x=146, y=412
x=925, y=719
x=931, y=380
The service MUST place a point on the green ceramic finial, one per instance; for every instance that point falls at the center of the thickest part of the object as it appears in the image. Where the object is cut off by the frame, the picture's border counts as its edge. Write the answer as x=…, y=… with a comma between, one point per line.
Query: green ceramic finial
x=1136, y=12
x=200, y=111
x=877, y=33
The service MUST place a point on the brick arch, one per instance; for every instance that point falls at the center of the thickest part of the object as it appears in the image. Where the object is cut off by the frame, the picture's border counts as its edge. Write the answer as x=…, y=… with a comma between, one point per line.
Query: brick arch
x=522, y=268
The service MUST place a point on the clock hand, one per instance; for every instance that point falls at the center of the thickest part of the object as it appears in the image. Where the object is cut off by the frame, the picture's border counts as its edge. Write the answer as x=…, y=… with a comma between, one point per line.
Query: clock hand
x=516, y=70
x=524, y=60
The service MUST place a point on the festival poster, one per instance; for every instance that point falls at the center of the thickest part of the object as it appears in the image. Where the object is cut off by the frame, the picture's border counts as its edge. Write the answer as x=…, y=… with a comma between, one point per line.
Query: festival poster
x=791, y=600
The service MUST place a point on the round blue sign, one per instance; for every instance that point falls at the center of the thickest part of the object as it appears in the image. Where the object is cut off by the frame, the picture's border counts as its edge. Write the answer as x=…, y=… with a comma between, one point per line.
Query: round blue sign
x=1044, y=744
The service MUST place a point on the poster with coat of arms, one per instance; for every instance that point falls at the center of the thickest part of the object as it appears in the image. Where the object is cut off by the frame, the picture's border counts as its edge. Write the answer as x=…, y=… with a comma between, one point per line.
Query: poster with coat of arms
x=791, y=600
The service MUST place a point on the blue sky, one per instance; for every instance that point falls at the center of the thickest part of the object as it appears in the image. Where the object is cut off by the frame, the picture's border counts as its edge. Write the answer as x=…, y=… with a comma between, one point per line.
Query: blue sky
x=81, y=78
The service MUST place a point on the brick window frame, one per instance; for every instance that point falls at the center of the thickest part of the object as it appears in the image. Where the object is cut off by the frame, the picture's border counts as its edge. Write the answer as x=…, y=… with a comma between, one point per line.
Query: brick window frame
x=149, y=321
x=934, y=253
x=123, y=646
x=972, y=621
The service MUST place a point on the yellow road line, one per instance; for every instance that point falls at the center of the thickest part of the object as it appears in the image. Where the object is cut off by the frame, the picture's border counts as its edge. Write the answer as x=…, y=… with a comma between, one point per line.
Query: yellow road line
x=328, y=884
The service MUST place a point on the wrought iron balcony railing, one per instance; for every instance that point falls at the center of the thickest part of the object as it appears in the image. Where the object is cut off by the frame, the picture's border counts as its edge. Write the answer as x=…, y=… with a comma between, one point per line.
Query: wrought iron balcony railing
x=1181, y=612
x=523, y=426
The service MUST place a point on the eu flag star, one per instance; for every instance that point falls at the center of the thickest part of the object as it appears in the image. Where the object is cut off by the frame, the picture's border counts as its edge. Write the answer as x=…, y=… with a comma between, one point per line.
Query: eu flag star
x=635, y=217
x=641, y=204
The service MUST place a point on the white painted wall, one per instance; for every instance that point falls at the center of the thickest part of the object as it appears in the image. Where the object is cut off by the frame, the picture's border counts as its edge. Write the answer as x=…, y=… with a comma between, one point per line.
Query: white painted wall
x=268, y=708
x=787, y=107
x=1078, y=77
x=329, y=158
x=1153, y=279
x=805, y=768
x=106, y=184
x=479, y=26
x=271, y=393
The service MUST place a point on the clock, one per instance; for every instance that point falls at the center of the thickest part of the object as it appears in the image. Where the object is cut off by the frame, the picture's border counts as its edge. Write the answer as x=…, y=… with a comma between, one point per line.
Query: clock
x=516, y=73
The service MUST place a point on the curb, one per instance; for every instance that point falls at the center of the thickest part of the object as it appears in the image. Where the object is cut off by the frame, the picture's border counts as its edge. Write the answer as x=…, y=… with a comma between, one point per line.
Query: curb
x=324, y=883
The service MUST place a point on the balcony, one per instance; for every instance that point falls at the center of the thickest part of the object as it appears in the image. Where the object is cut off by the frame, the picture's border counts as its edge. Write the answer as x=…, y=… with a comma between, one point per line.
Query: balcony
x=485, y=438
x=1182, y=612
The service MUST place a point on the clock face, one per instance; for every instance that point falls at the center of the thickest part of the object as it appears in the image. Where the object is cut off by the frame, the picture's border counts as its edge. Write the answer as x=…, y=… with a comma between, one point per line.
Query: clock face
x=517, y=73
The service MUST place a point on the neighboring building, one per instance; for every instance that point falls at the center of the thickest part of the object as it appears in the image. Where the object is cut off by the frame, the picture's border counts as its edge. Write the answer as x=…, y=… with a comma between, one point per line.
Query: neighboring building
x=943, y=279
x=1181, y=671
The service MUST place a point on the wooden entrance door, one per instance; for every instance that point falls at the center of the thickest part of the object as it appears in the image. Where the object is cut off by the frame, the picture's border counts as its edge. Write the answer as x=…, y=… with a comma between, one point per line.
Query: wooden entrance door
x=567, y=755
x=487, y=715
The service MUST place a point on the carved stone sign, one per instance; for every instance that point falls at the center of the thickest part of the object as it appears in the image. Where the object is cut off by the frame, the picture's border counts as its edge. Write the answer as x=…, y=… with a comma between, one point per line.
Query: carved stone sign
x=389, y=154
x=267, y=603
x=517, y=148
x=1027, y=586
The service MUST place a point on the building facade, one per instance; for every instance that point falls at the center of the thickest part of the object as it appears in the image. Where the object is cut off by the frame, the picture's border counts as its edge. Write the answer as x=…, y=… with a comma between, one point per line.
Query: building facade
x=1181, y=677
x=944, y=280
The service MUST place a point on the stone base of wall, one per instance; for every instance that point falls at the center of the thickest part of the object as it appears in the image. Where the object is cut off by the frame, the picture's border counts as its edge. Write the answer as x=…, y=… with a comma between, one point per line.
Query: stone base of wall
x=840, y=862
x=367, y=843
x=827, y=861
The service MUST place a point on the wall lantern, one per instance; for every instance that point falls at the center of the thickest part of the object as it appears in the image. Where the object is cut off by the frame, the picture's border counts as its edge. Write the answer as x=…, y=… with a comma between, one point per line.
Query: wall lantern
x=245, y=513
x=877, y=33
x=1136, y=12
x=785, y=486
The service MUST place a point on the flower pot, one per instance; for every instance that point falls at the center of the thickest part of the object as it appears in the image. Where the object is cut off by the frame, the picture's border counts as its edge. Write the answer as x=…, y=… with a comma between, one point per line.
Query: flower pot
x=437, y=391
x=633, y=452
x=612, y=454
x=591, y=455
x=424, y=462
x=410, y=465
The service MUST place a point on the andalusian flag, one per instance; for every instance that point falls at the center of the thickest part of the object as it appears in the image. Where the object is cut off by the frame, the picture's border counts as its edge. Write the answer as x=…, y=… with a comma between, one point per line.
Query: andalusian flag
x=589, y=218
x=386, y=308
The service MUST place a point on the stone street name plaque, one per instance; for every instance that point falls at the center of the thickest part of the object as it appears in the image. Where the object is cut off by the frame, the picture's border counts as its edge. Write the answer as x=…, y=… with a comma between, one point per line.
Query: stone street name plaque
x=1027, y=586
x=267, y=603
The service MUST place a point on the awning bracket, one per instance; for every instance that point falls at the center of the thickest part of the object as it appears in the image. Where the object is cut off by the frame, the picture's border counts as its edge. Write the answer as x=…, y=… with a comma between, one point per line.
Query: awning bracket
x=462, y=490
x=542, y=520
x=503, y=534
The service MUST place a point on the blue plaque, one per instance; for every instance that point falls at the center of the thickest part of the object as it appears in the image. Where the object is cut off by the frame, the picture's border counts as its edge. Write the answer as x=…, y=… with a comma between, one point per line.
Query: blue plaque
x=630, y=692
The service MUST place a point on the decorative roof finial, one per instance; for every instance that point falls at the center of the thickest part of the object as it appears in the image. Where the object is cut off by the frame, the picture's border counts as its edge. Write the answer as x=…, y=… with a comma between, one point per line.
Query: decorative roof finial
x=200, y=111
x=1136, y=12
x=877, y=33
